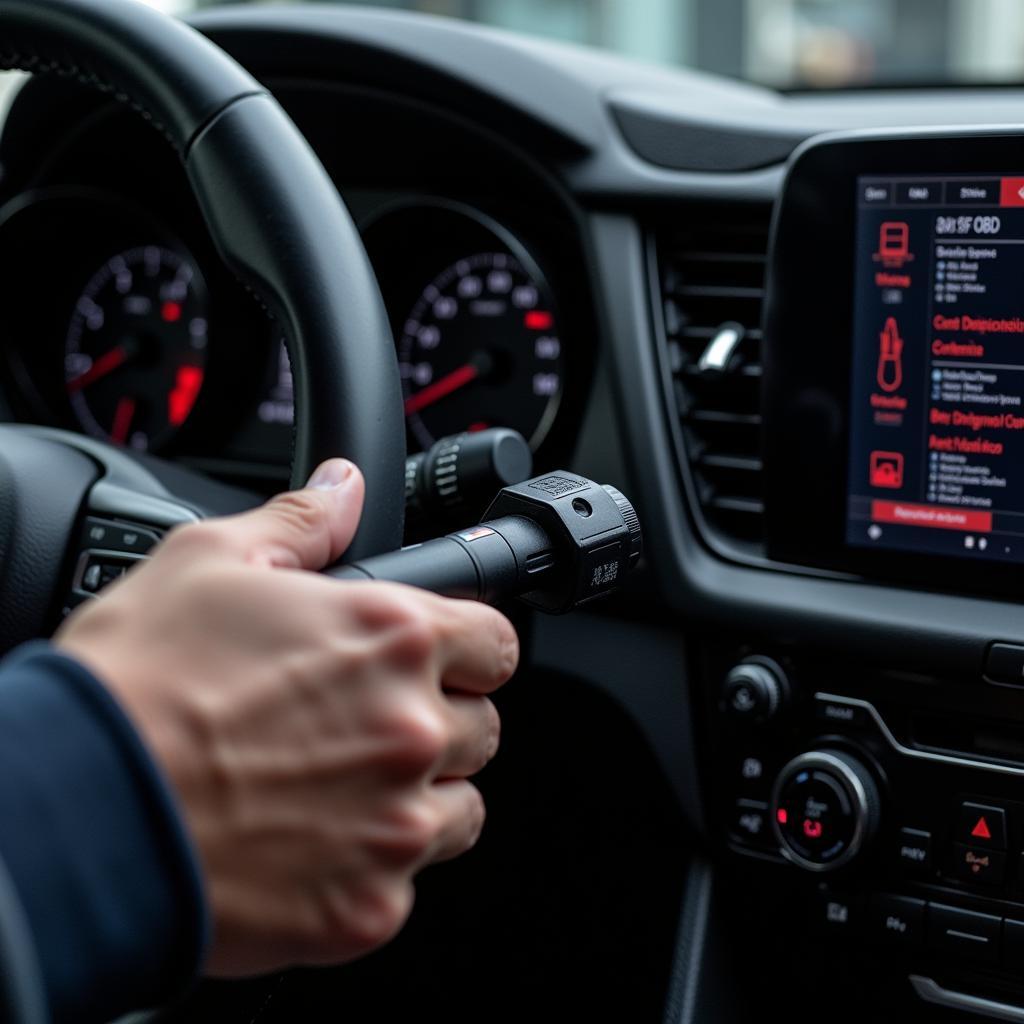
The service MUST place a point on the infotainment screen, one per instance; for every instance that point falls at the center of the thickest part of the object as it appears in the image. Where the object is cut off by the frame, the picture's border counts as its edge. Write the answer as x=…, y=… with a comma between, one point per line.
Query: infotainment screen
x=936, y=448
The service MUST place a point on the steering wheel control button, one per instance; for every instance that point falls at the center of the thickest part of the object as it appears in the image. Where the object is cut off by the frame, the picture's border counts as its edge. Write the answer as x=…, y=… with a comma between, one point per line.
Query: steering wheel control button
x=914, y=849
x=92, y=578
x=978, y=865
x=898, y=920
x=982, y=825
x=106, y=535
x=1004, y=663
x=750, y=824
x=825, y=807
x=754, y=690
x=964, y=933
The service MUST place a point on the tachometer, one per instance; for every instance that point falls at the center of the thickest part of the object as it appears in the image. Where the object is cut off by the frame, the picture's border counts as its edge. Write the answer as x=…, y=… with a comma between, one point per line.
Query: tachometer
x=135, y=354
x=480, y=348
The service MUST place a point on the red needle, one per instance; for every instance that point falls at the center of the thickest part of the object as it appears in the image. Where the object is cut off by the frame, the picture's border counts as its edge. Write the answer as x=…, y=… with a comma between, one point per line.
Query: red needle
x=107, y=363
x=122, y=420
x=441, y=388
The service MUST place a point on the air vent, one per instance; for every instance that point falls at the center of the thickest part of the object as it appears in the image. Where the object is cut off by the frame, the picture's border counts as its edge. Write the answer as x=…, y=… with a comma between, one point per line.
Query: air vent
x=712, y=290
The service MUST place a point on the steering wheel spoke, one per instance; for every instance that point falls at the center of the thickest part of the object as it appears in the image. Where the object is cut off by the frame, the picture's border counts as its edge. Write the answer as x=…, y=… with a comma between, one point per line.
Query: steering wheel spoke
x=120, y=527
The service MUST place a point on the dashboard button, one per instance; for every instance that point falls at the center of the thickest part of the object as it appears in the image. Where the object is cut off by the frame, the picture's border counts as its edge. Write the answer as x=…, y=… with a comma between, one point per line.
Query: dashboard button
x=982, y=825
x=750, y=823
x=750, y=774
x=1013, y=944
x=834, y=913
x=978, y=865
x=896, y=919
x=914, y=849
x=964, y=932
x=838, y=713
x=1004, y=663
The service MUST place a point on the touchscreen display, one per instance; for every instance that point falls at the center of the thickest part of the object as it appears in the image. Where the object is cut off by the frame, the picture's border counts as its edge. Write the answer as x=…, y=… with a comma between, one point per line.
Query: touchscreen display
x=937, y=382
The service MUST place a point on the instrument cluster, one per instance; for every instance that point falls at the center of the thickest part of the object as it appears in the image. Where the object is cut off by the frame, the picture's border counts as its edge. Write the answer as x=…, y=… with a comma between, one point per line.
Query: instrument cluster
x=116, y=327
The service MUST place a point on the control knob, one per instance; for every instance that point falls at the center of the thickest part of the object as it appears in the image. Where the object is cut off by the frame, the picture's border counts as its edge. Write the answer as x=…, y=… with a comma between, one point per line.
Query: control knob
x=825, y=808
x=754, y=690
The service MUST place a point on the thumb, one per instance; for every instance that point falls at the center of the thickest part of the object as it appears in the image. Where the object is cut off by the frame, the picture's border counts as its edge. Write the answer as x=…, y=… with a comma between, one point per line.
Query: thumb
x=307, y=529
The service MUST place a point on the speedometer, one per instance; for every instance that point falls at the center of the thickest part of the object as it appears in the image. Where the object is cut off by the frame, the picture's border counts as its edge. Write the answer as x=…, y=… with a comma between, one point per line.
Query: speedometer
x=135, y=354
x=480, y=348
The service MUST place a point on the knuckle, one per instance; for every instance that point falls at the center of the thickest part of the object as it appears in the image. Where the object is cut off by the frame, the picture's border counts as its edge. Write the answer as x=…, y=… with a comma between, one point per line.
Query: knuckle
x=303, y=509
x=381, y=914
x=414, y=828
x=421, y=734
x=413, y=639
x=355, y=920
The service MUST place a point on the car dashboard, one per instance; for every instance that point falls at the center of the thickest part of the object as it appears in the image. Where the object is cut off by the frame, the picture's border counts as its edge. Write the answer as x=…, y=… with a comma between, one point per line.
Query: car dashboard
x=785, y=325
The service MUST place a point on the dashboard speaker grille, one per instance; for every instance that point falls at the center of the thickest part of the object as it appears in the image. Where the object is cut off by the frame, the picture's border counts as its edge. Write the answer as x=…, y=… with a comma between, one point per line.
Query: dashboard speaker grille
x=711, y=273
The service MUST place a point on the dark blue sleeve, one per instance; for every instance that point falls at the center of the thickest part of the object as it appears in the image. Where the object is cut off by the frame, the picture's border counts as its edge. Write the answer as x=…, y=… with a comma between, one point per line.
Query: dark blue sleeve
x=94, y=844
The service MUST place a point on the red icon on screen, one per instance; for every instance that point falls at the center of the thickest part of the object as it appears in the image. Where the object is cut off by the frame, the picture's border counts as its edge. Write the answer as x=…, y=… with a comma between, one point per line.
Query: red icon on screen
x=886, y=469
x=812, y=829
x=894, y=244
x=890, y=356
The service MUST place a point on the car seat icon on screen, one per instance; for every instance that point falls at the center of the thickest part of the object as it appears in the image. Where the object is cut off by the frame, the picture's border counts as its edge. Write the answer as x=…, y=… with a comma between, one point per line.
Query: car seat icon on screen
x=886, y=470
x=894, y=244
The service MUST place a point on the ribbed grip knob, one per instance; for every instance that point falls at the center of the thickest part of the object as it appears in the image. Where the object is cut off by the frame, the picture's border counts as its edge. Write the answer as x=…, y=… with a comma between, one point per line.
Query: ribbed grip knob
x=631, y=520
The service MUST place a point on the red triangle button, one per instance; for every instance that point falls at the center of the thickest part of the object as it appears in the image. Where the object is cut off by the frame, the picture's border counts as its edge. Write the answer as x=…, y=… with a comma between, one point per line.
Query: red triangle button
x=981, y=829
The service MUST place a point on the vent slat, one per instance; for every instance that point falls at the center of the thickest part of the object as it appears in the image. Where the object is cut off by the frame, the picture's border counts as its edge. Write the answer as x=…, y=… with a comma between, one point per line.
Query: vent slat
x=737, y=463
x=712, y=274
x=717, y=291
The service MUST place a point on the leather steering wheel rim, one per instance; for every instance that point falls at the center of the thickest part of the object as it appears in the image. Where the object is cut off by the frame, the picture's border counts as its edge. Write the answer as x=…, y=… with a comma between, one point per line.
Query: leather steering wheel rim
x=273, y=213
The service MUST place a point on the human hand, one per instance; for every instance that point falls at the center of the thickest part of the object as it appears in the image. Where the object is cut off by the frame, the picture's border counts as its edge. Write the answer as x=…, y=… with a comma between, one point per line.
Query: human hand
x=319, y=735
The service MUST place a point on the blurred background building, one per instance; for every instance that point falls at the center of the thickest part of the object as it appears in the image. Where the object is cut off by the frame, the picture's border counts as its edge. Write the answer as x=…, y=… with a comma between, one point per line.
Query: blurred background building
x=785, y=43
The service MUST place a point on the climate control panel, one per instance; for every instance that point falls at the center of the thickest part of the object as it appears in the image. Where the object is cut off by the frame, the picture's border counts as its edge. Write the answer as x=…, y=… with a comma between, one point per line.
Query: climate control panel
x=889, y=807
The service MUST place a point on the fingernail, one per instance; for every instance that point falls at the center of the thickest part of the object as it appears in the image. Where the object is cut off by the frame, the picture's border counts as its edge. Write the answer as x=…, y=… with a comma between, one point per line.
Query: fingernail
x=330, y=474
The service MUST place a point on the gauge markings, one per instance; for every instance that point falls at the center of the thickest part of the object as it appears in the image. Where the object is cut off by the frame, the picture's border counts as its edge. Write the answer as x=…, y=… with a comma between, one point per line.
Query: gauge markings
x=480, y=346
x=135, y=355
x=106, y=363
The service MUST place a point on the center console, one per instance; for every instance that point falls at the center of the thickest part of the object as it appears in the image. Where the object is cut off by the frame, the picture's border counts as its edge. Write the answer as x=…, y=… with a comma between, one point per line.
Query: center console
x=890, y=800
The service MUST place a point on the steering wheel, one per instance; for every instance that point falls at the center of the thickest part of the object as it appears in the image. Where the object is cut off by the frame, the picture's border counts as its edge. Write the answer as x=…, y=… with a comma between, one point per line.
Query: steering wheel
x=281, y=227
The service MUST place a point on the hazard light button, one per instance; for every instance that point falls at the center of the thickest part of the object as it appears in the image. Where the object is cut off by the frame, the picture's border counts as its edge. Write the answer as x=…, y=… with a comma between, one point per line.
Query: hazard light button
x=982, y=825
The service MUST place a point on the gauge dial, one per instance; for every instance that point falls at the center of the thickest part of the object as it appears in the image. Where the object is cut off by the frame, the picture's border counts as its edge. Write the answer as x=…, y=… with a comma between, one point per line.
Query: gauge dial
x=480, y=349
x=135, y=355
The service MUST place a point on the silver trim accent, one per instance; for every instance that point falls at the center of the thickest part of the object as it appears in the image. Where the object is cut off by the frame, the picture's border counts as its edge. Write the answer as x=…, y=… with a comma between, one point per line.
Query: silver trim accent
x=854, y=788
x=919, y=755
x=717, y=356
x=930, y=991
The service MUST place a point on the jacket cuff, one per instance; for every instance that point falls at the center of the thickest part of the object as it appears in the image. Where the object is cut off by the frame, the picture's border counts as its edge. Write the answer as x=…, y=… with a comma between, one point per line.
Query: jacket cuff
x=94, y=843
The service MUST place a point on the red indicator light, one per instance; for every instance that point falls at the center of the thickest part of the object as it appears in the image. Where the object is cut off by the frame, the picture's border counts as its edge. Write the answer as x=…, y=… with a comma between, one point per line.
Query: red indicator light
x=475, y=428
x=981, y=830
x=781, y=816
x=171, y=312
x=1011, y=192
x=123, y=416
x=538, y=320
x=184, y=394
x=812, y=829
